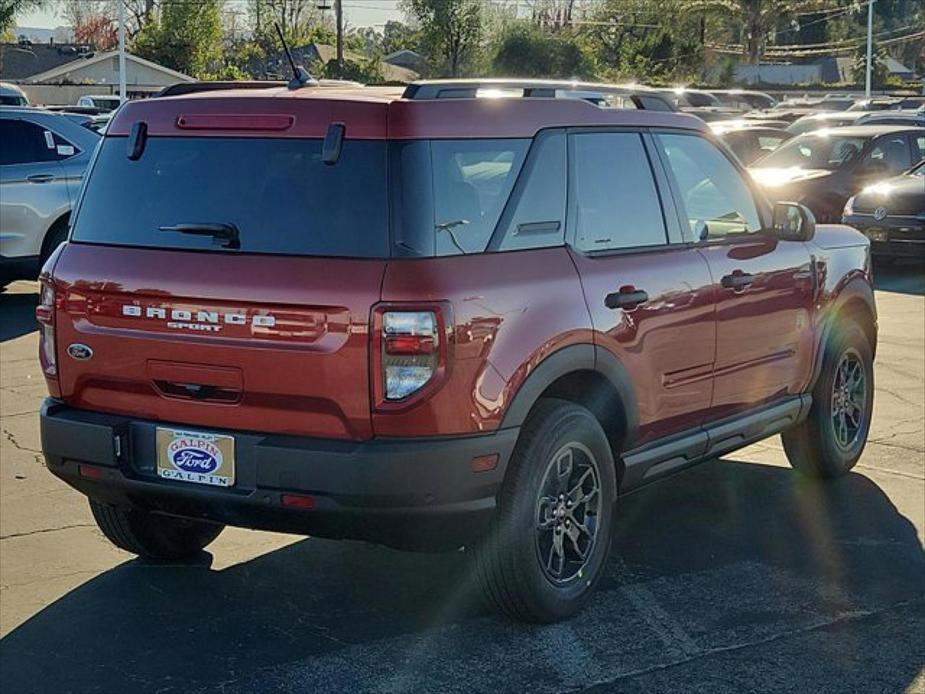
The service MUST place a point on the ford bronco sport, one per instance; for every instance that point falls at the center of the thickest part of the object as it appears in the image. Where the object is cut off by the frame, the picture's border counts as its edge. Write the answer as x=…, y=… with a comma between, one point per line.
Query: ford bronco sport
x=434, y=323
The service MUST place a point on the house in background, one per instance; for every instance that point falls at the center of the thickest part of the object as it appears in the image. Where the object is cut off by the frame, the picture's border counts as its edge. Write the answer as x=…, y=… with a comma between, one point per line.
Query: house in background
x=829, y=69
x=84, y=73
x=408, y=59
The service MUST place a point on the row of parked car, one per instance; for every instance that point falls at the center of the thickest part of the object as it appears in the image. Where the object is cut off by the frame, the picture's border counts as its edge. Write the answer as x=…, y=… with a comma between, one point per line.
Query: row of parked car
x=845, y=158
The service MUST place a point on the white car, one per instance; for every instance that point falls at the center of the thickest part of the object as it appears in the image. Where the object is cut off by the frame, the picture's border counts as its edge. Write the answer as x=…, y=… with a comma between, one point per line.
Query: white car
x=104, y=102
x=11, y=95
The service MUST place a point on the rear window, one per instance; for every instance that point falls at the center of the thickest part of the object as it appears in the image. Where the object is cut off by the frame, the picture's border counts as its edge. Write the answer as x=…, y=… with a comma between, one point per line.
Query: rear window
x=277, y=192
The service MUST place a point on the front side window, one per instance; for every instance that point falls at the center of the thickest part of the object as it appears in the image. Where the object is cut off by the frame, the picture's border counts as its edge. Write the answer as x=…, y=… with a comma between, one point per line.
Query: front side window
x=893, y=152
x=615, y=201
x=716, y=198
x=817, y=150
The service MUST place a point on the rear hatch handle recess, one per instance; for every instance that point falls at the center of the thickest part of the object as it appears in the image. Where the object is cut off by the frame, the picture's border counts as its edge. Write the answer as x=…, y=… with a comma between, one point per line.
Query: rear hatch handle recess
x=225, y=235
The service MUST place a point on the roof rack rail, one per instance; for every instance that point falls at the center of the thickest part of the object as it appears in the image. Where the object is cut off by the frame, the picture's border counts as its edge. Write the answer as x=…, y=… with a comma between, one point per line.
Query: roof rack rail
x=181, y=88
x=600, y=94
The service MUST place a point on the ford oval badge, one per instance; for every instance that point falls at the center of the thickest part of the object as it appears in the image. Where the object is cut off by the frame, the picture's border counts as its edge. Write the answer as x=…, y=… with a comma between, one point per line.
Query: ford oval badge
x=79, y=351
x=202, y=460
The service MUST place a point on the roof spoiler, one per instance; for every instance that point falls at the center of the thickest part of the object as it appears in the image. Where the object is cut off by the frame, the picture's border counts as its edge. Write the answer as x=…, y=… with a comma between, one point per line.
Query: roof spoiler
x=182, y=88
x=599, y=94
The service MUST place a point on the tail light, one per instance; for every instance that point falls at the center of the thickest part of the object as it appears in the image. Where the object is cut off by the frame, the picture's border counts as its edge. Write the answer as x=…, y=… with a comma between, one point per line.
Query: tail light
x=409, y=353
x=45, y=315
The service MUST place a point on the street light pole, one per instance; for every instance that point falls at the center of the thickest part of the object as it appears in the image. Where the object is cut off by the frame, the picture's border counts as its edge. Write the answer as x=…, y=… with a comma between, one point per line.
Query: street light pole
x=339, y=19
x=121, y=51
x=870, y=42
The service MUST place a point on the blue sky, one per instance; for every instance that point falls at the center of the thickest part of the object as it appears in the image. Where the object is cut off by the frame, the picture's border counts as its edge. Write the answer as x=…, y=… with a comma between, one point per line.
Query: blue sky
x=357, y=12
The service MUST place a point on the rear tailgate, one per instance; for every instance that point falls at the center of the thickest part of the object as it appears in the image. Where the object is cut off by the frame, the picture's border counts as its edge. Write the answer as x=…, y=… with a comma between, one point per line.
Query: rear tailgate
x=247, y=342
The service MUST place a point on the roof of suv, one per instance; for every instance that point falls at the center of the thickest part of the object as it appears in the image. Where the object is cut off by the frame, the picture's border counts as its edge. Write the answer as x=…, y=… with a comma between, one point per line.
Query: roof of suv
x=372, y=113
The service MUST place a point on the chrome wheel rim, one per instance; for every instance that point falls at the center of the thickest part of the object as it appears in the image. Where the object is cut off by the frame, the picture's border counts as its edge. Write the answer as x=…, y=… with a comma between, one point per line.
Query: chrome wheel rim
x=849, y=400
x=567, y=512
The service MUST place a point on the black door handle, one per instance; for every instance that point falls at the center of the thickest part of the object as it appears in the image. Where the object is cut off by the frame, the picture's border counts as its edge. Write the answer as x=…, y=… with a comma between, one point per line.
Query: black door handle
x=626, y=298
x=41, y=178
x=737, y=281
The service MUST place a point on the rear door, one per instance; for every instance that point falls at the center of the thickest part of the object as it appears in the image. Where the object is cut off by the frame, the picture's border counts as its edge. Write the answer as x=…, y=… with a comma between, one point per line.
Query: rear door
x=763, y=286
x=648, y=293
x=33, y=189
x=266, y=331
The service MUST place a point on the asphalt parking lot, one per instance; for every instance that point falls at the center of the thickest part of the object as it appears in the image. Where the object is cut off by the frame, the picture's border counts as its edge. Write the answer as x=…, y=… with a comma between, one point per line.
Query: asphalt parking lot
x=736, y=576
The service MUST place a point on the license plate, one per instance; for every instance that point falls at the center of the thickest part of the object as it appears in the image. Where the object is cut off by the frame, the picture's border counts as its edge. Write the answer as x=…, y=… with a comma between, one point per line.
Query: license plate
x=195, y=456
x=878, y=235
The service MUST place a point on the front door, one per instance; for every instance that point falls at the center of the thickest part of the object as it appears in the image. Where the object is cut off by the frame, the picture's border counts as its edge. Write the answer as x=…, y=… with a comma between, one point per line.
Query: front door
x=649, y=294
x=763, y=286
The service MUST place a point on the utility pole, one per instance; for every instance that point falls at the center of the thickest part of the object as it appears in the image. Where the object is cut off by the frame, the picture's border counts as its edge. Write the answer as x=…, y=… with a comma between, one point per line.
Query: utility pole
x=122, y=95
x=870, y=44
x=339, y=18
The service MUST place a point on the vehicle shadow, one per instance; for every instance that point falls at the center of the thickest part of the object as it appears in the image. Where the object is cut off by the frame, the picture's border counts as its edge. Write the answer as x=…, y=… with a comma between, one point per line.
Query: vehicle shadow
x=17, y=314
x=140, y=627
x=902, y=276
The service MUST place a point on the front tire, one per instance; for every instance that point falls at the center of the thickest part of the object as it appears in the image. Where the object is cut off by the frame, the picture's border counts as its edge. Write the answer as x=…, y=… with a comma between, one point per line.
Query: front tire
x=549, y=541
x=151, y=536
x=831, y=440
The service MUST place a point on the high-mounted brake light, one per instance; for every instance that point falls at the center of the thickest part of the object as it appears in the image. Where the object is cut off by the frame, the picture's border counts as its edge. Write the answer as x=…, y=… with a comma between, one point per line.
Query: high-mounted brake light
x=45, y=315
x=409, y=352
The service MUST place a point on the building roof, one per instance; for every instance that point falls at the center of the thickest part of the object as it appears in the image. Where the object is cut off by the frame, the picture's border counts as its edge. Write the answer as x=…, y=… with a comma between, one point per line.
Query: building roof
x=21, y=61
x=68, y=69
x=372, y=114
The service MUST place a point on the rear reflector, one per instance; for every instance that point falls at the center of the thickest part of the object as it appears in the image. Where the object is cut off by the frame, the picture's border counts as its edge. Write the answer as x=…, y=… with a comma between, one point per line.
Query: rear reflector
x=298, y=501
x=484, y=463
x=90, y=472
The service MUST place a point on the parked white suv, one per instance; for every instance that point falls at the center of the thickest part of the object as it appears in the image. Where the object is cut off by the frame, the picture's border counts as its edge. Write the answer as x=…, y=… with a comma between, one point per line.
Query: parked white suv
x=43, y=157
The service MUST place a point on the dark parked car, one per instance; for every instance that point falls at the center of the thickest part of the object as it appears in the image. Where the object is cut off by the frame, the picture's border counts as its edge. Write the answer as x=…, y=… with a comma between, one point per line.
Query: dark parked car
x=891, y=214
x=752, y=143
x=435, y=323
x=823, y=169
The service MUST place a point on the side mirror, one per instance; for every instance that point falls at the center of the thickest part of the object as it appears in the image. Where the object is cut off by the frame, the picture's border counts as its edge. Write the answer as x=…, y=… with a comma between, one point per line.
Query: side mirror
x=793, y=222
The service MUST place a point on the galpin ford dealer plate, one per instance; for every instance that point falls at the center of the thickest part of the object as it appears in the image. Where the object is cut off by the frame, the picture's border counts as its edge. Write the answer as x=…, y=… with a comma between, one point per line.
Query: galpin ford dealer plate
x=195, y=456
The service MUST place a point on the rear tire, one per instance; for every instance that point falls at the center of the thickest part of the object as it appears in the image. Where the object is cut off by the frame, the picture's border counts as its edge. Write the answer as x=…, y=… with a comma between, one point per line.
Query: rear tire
x=548, y=543
x=54, y=238
x=831, y=440
x=152, y=536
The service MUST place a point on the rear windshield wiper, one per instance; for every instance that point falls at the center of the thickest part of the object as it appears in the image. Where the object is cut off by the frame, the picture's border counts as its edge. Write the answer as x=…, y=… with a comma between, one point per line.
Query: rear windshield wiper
x=225, y=235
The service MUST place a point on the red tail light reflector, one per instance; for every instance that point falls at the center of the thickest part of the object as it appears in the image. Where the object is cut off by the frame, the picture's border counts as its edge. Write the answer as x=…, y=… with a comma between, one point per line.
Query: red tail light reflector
x=298, y=501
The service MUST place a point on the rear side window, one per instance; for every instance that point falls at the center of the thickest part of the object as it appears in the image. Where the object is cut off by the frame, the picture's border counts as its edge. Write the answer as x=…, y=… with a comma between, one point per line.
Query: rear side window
x=278, y=193
x=25, y=143
x=538, y=214
x=615, y=203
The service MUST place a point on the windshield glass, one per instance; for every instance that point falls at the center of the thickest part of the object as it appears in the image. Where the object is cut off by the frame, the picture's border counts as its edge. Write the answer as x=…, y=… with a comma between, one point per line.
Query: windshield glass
x=816, y=150
x=278, y=193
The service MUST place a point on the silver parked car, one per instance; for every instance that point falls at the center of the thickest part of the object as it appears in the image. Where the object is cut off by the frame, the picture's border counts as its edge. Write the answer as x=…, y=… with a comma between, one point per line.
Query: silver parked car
x=43, y=157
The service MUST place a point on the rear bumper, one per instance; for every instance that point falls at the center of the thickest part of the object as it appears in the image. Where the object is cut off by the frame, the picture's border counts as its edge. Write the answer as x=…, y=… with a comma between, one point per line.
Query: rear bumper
x=414, y=493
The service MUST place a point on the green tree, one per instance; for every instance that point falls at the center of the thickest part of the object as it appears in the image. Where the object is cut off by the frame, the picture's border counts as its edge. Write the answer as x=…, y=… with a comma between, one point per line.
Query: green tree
x=9, y=9
x=398, y=35
x=187, y=37
x=451, y=31
x=525, y=50
x=757, y=19
x=879, y=74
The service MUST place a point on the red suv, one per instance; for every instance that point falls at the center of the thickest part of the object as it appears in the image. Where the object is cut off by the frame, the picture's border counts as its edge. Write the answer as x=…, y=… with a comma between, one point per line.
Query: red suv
x=434, y=323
